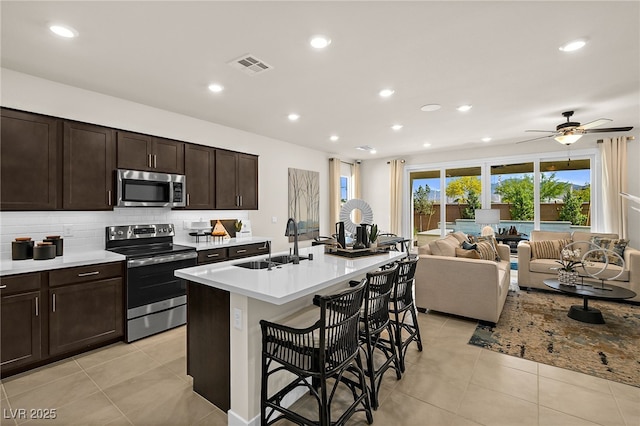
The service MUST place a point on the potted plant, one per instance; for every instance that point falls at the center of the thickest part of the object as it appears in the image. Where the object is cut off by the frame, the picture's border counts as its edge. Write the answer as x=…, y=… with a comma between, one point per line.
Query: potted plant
x=373, y=236
x=569, y=259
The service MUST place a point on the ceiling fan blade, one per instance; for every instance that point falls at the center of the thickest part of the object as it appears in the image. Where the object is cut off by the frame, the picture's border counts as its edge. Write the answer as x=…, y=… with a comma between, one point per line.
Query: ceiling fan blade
x=595, y=123
x=535, y=139
x=610, y=129
x=545, y=131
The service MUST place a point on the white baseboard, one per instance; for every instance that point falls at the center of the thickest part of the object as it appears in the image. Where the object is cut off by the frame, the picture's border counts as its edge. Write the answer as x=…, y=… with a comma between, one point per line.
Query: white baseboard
x=235, y=420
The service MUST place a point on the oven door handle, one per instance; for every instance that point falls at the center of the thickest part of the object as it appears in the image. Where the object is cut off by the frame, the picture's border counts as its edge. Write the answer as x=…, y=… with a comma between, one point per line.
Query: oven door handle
x=146, y=261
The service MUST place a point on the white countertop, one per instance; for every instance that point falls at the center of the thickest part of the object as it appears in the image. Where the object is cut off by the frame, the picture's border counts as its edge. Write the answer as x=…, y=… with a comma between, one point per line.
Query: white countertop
x=287, y=282
x=214, y=243
x=68, y=260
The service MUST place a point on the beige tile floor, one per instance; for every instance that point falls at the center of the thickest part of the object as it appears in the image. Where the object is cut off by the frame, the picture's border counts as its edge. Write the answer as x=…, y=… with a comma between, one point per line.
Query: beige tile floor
x=449, y=383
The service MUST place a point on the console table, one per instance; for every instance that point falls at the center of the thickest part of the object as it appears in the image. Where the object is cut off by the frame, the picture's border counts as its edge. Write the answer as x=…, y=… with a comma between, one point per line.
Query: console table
x=512, y=241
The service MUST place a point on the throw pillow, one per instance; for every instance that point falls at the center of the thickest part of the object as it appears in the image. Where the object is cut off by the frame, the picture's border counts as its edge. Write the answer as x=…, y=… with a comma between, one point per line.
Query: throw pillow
x=445, y=246
x=468, y=254
x=615, y=245
x=468, y=246
x=486, y=251
x=547, y=249
x=494, y=245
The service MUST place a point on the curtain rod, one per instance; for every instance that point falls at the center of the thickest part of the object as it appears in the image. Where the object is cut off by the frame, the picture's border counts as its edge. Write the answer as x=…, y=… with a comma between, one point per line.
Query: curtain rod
x=629, y=138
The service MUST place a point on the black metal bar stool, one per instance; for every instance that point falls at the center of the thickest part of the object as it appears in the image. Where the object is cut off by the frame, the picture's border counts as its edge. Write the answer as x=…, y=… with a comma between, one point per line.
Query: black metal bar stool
x=374, y=321
x=402, y=304
x=320, y=356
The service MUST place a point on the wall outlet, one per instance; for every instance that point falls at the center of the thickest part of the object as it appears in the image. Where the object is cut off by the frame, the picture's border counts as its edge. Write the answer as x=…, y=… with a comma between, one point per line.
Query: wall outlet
x=274, y=219
x=237, y=318
x=67, y=231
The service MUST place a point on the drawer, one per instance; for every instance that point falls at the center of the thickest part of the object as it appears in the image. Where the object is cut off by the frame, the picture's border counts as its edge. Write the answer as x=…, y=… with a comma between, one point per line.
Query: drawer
x=85, y=273
x=20, y=283
x=211, y=256
x=248, y=250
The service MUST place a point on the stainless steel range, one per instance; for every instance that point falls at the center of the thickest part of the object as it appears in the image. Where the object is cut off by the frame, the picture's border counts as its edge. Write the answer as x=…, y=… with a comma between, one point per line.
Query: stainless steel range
x=156, y=299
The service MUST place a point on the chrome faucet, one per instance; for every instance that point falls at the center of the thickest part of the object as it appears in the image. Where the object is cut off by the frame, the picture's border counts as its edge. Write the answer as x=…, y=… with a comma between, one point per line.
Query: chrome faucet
x=292, y=229
x=268, y=245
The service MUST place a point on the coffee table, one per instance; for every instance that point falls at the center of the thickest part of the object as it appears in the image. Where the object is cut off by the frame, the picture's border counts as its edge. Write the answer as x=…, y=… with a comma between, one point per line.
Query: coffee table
x=585, y=313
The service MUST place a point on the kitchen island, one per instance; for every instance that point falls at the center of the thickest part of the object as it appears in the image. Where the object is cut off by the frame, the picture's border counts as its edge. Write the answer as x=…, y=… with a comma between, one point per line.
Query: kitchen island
x=225, y=304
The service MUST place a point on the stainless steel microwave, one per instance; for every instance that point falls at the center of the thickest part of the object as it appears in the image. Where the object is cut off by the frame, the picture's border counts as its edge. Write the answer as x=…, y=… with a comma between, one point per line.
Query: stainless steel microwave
x=135, y=188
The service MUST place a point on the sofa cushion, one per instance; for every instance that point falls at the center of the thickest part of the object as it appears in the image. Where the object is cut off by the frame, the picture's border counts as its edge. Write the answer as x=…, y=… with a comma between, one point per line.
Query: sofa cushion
x=546, y=266
x=445, y=246
x=468, y=254
x=547, y=249
x=549, y=235
x=460, y=236
x=615, y=245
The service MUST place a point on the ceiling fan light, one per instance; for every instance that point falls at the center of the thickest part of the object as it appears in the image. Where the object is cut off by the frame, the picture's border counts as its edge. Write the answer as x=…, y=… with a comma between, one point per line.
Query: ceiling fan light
x=568, y=139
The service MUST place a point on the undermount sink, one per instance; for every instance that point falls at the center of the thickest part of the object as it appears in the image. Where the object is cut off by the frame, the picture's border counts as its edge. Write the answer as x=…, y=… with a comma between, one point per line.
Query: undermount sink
x=256, y=264
x=286, y=258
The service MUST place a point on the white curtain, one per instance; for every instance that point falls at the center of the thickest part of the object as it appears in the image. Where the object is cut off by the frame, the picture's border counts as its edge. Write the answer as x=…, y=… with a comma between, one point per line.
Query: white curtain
x=334, y=191
x=614, y=181
x=357, y=191
x=395, y=186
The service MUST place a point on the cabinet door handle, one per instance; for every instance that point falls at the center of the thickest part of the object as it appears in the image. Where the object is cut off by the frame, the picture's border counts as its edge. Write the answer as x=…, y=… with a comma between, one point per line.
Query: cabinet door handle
x=155, y=161
x=240, y=196
x=149, y=160
x=241, y=251
x=109, y=193
x=37, y=309
x=188, y=199
x=87, y=274
x=213, y=255
x=3, y=286
x=53, y=304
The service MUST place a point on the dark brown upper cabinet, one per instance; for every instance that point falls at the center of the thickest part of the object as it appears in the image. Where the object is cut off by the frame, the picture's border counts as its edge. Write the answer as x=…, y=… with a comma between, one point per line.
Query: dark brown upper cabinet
x=199, y=167
x=89, y=154
x=150, y=153
x=236, y=181
x=29, y=155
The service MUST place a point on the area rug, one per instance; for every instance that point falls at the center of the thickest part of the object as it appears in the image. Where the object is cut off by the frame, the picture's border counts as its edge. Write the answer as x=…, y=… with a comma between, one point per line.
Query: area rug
x=534, y=326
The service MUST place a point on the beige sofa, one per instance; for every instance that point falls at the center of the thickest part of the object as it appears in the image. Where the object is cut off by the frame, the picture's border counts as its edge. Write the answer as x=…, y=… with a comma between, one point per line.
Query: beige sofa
x=472, y=288
x=532, y=272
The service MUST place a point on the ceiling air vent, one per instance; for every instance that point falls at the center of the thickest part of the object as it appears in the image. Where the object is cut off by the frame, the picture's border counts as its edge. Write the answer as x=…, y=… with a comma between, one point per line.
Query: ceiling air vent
x=365, y=148
x=249, y=64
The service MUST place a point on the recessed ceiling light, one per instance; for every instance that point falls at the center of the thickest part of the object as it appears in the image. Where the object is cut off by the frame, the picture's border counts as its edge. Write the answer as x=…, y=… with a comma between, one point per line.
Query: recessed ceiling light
x=334, y=138
x=430, y=107
x=464, y=108
x=373, y=151
x=319, y=41
x=486, y=139
x=216, y=88
x=397, y=127
x=385, y=93
x=293, y=116
x=426, y=145
x=573, y=45
x=63, y=31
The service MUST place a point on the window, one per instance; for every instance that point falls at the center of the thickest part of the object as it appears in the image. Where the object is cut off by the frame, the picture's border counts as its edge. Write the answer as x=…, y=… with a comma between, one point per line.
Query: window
x=344, y=189
x=546, y=192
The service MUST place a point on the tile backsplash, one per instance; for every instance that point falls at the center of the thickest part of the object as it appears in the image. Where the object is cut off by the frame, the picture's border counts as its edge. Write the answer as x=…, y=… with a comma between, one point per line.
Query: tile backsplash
x=88, y=228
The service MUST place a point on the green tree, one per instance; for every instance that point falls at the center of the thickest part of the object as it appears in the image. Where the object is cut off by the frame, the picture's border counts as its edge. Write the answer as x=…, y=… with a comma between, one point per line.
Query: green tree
x=550, y=187
x=422, y=205
x=466, y=189
x=584, y=193
x=519, y=193
x=571, y=211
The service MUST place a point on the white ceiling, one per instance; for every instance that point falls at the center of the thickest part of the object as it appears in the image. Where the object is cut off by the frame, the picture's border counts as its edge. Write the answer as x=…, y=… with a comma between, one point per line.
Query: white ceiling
x=502, y=57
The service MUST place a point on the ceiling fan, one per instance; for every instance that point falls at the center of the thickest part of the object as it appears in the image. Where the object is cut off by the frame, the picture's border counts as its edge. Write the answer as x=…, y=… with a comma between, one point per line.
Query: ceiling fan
x=570, y=131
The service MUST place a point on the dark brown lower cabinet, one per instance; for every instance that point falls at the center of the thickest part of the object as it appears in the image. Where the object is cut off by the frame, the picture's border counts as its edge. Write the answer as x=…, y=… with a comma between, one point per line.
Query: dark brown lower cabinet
x=21, y=329
x=208, y=343
x=84, y=314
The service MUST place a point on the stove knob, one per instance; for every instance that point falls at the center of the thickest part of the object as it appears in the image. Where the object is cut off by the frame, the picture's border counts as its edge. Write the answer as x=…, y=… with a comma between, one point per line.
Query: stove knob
x=120, y=233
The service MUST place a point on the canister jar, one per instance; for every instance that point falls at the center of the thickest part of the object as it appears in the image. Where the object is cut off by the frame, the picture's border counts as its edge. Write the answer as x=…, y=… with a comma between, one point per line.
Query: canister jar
x=44, y=251
x=22, y=248
x=56, y=241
